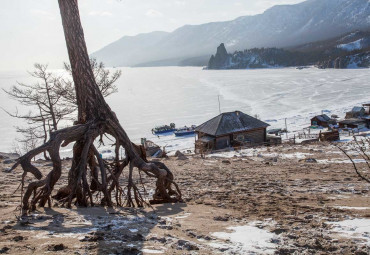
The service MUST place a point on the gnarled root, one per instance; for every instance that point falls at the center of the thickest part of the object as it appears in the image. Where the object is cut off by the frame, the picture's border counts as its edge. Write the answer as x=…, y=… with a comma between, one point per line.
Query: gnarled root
x=104, y=177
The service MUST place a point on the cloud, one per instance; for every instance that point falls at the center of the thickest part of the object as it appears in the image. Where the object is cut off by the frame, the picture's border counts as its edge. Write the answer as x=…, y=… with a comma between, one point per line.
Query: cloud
x=100, y=13
x=153, y=13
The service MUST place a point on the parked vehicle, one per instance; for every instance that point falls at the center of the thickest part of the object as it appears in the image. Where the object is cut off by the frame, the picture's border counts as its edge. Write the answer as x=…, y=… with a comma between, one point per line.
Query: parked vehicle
x=164, y=129
x=185, y=131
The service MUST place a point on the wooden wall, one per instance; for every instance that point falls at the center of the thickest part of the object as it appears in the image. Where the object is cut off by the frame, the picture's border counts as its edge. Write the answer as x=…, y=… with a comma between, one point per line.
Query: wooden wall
x=255, y=136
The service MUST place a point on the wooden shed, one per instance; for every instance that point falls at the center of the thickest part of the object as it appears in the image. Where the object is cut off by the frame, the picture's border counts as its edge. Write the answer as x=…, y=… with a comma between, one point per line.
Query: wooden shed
x=352, y=123
x=356, y=112
x=323, y=121
x=230, y=129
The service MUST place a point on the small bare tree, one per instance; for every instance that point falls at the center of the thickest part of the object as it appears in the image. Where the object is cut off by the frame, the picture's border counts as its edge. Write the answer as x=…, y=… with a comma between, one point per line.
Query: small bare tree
x=48, y=108
x=103, y=77
x=361, y=147
x=53, y=99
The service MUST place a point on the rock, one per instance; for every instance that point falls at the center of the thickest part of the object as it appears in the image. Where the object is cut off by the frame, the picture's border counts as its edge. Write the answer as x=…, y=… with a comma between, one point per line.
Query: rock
x=8, y=161
x=191, y=234
x=7, y=169
x=220, y=60
x=180, y=156
x=278, y=231
x=4, y=250
x=221, y=218
x=18, y=238
x=311, y=160
x=166, y=227
x=56, y=247
x=160, y=240
x=186, y=245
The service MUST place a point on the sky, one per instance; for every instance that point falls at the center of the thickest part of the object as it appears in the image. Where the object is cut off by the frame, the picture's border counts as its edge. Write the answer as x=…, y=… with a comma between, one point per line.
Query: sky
x=31, y=30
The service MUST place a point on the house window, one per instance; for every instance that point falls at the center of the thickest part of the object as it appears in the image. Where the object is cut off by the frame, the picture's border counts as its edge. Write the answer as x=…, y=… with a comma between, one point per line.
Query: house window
x=240, y=138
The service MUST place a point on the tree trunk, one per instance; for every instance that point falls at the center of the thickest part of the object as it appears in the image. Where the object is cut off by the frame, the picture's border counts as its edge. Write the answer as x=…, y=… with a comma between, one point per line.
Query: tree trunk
x=95, y=118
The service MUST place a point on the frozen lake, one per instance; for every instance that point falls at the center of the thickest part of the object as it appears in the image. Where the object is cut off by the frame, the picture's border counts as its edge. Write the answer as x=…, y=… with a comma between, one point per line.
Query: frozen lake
x=188, y=95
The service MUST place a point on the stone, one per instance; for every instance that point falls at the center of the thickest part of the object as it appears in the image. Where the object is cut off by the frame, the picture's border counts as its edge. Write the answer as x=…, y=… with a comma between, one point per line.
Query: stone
x=4, y=250
x=311, y=160
x=221, y=218
x=180, y=156
x=220, y=60
x=186, y=245
x=56, y=247
x=18, y=238
x=8, y=161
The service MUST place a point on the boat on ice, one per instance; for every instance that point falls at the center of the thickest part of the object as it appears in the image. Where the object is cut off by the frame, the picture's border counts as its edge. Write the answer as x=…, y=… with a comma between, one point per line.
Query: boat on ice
x=185, y=131
x=164, y=129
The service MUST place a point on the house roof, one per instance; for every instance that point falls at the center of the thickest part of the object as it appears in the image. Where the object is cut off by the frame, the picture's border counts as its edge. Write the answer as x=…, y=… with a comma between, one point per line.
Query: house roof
x=323, y=117
x=357, y=109
x=230, y=122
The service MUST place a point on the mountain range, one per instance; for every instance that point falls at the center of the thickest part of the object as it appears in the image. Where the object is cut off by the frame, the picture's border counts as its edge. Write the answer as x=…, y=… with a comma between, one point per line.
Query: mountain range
x=281, y=26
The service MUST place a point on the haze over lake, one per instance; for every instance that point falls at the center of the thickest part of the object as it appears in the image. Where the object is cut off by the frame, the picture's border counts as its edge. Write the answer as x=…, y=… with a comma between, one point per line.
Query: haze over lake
x=154, y=96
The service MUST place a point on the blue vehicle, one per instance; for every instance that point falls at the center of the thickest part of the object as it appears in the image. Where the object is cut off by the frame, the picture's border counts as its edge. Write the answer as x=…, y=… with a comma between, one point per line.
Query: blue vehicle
x=185, y=131
x=164, y=129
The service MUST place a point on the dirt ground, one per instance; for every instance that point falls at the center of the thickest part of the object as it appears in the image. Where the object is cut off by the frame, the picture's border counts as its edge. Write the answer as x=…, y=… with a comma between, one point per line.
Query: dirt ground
x=277, y=192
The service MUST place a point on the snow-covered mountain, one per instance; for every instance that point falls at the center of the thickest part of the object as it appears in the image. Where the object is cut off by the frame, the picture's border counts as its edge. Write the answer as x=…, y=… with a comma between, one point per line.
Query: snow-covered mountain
x=279, y=26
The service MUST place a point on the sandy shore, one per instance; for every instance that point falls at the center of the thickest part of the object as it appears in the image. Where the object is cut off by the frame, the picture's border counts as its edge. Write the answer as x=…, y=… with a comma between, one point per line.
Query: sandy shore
x=265, y=201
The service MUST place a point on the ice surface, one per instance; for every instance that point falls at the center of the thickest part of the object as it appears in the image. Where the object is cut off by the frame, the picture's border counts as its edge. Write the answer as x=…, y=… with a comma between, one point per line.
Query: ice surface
x=149, y=97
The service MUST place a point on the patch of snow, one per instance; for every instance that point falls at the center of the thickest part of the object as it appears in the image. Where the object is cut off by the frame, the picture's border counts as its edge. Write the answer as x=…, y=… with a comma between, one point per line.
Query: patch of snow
x=133, y=230
x=356, y=45
x=247, y=239
x=151, y=251
x=340, y=161
x=352, y=208
x=354, y=228
x=183, y=216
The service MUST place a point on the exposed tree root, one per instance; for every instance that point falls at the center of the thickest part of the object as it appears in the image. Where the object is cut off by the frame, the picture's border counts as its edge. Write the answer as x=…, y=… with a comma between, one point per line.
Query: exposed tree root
x=104, y=177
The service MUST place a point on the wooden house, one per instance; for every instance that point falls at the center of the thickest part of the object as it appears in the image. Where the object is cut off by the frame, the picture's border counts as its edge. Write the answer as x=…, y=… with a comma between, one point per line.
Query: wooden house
x=367, y=108
x=356, y=112
x=352, y=123
x=323, y=121
x=228, y=130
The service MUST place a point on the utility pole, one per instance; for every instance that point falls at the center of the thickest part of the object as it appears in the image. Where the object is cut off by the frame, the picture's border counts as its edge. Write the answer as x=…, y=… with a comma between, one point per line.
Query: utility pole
x=219, y=104
x=286, y=129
